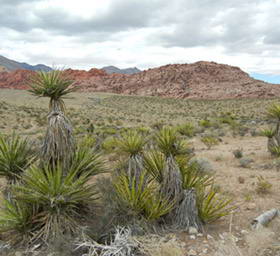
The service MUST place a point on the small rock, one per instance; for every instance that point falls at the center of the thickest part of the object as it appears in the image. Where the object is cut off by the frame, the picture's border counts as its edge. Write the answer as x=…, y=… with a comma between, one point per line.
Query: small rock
x=251, y=206
x=192, y=231
x=200, y=235
x=192, y=252
x=192, y=237
x=205, y=250
x=209, y=237
x=244, y=232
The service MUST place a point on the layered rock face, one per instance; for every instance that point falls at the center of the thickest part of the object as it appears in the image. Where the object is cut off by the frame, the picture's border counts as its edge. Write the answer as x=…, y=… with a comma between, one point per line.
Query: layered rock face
x=200, y=80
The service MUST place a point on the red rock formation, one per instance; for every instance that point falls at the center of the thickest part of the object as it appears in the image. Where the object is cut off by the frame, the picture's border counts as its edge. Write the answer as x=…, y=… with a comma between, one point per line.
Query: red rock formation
x=16, y=79
x=200, y=80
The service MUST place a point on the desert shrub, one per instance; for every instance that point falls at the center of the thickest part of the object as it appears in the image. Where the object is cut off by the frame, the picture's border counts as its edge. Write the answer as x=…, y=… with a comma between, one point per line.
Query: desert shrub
x=108, y=145
x=226, y=118
x=15, y=156
x=205, y=123
x=263, y=186
x=245, y=162
x=209, y=141
x=186, y=129
x=202, y=165
x=238, y=153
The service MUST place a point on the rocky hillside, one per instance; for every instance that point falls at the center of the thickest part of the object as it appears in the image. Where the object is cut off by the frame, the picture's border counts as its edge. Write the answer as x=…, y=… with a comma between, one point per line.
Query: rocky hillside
x=200, y=80
x=14, y=65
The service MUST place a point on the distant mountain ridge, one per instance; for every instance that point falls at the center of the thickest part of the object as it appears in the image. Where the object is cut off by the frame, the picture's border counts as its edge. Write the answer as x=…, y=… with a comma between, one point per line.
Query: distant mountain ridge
x=11, y=65
x=115, y=70
x=199, y=80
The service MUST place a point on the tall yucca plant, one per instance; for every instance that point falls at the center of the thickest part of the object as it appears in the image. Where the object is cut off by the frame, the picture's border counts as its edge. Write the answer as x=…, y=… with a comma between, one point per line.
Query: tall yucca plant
x=15, y=156
x=175, y=180
x=58, y=144
x=131, y=144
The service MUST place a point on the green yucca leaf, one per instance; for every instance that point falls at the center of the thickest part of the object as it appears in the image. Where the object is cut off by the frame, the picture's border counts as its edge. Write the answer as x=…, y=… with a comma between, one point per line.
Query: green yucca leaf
x=275, y=151
x=212, y=205
x=87, y=161
x=131, y=143
x=60, y=198
x=15, y=156
x=269, y=133
x=157, y=206
x=15, y=216
x=193, y=178
x=140, y=198
x=274, y=111
x=53, y=84
x=154, y=163
x=186, y=129
x=169, y=143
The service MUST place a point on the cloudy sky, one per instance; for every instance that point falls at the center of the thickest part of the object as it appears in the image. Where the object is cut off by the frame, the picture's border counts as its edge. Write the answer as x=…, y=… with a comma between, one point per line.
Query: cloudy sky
x=145, y=33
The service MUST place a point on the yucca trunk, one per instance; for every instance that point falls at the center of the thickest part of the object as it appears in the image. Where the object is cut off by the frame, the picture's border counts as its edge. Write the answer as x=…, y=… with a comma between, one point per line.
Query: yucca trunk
x=185, y=213
x=58, y=146
x=135, y=169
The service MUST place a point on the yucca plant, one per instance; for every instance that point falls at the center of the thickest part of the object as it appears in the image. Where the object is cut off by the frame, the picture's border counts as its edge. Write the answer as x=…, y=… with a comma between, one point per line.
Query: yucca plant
x=274, y=111
x=186, y=129
x=193, y=178
x=169, y=143
x=155, y=164
x=209, y=141
x=131, y=144
x=212, y=205
x=273, y=135
x=15, y=156
x=269, y=132
x=275, y=150
x=16, y=220
x=87, y=161
x=140, y=198
x=54, y=85
x=58, y=146
x=61, y=200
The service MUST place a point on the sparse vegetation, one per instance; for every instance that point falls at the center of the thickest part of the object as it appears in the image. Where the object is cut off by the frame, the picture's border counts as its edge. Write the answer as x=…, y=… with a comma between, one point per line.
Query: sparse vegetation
x=155, y=164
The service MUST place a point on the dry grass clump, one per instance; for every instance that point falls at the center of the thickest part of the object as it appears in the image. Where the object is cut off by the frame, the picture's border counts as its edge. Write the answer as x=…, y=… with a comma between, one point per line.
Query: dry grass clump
x=154, y=245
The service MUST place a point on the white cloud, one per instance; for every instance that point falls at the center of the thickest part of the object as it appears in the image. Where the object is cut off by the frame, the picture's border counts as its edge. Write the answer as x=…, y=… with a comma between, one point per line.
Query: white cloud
x=148, y=33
